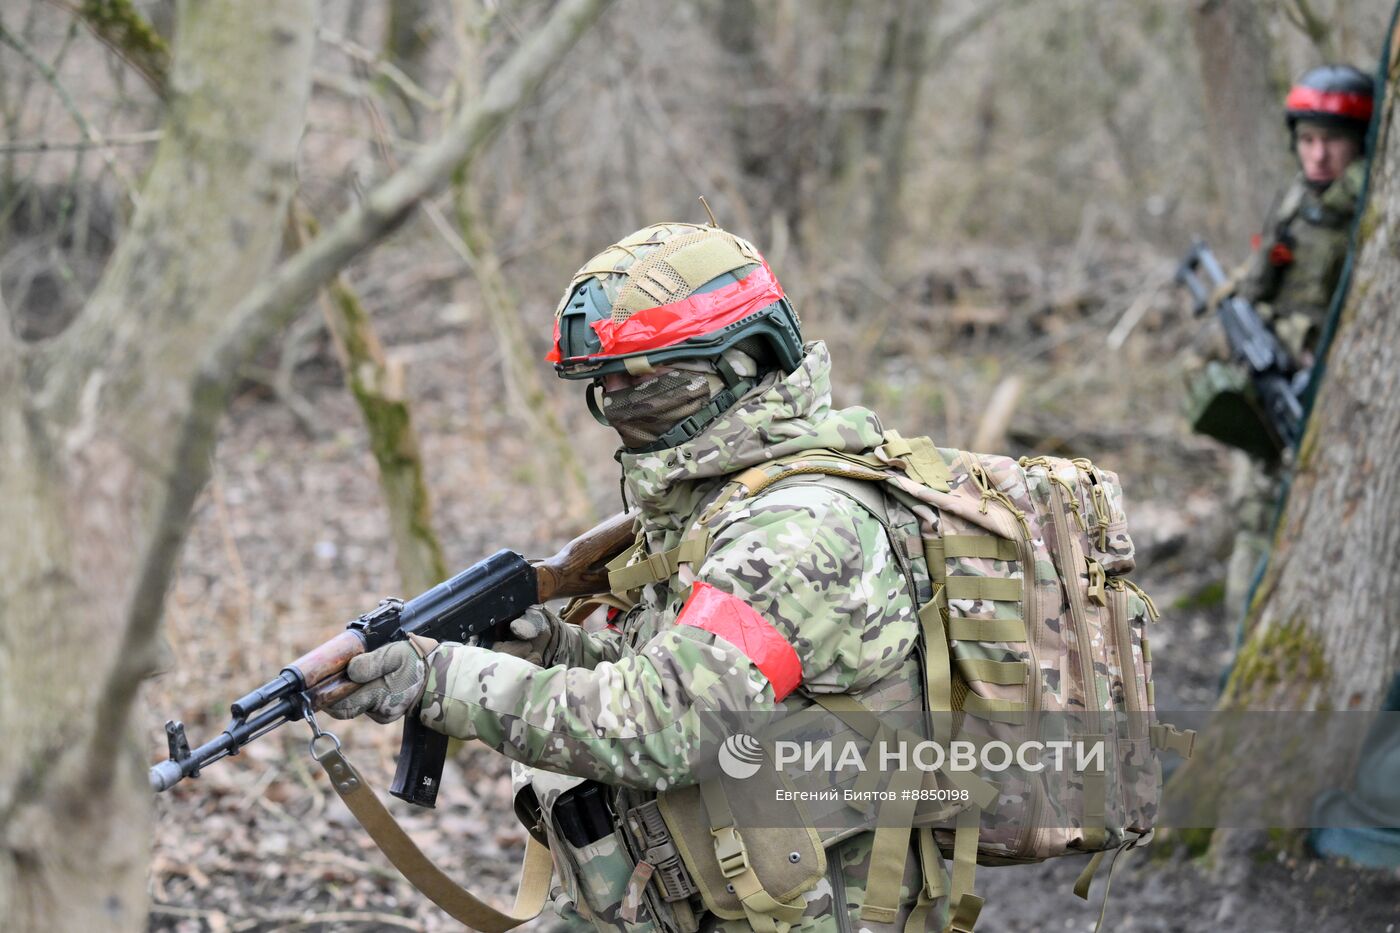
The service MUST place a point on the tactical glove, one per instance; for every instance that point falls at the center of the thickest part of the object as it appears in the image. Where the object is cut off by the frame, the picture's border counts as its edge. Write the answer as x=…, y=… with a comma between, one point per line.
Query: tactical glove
x=394, y=677
x=537, y=637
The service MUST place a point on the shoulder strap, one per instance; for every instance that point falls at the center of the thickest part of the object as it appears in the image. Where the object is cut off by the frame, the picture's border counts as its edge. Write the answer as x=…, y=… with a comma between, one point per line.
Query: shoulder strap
x=1289, y=204
x=420, y=871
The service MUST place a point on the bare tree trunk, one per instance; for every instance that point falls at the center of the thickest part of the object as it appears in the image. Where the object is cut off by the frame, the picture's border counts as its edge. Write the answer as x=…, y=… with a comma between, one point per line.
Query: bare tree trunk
x=376, y=382
x=94, y=474
x=107, y=431
x=520, y=369
x=1243, y=111
x=908, y=47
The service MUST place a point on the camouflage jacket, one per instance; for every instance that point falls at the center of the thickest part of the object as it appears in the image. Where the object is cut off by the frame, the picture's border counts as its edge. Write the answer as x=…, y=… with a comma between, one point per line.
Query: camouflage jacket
x=623, y=706
x=1295, y=270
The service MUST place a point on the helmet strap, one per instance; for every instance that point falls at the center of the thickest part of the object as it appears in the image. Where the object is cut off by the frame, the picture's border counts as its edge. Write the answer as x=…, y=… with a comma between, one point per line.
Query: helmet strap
x=594, y=408
x=731, y=377
x=688, y=428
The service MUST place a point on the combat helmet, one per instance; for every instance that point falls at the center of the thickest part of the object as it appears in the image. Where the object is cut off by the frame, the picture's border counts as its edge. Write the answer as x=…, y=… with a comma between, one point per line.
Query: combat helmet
x=1334, y=95
x=676, y=295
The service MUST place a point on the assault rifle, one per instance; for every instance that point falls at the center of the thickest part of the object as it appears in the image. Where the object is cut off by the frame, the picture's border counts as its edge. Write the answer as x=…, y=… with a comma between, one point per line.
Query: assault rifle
x=1277, y=378
x=479, y=602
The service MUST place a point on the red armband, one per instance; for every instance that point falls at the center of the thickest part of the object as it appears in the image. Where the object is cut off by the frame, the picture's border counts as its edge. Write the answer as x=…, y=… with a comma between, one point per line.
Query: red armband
x=738, y=623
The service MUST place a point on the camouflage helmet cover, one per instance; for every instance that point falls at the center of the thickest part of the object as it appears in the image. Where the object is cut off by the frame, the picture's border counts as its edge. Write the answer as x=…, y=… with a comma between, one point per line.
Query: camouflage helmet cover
x=669, y=292
x=1337, y=95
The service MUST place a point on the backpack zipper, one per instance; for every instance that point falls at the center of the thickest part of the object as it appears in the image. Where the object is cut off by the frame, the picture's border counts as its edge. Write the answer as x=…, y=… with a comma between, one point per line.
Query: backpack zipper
x=1071, y=555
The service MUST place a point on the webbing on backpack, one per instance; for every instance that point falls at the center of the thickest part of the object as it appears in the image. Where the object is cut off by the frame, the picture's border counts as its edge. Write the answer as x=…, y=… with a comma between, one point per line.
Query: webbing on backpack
x=765, y=913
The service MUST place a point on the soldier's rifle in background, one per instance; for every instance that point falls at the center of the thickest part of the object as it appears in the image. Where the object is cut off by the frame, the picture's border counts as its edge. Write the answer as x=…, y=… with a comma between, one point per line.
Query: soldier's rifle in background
x=1277, y=379
x=479, y=602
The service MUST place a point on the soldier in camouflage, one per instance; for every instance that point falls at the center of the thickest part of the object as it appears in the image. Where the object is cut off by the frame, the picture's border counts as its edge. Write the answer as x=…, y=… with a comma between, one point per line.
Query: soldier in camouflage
x=693, y=354
x=1296, y=265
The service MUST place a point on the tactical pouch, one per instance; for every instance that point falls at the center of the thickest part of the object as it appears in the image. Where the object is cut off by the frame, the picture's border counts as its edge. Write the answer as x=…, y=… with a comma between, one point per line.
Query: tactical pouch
x=1221, y=404
x=747, y=850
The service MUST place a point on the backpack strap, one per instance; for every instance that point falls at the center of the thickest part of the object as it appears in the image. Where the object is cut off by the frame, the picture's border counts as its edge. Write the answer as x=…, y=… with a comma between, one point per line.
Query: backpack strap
x=890, y=847
x=1086, y=877
x=935, y=882
x=631, y=571
x=965, y=905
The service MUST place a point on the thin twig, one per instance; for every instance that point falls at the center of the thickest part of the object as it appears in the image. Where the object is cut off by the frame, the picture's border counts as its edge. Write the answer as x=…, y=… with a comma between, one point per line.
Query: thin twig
x=90, y=133
x=1119, y=335
x=70, y=145
x=365, y=56
x=197, y=913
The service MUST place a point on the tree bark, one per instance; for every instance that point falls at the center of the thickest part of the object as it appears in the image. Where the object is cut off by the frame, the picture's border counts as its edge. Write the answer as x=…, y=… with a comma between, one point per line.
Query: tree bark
x=100, y=483
x=1243, y=113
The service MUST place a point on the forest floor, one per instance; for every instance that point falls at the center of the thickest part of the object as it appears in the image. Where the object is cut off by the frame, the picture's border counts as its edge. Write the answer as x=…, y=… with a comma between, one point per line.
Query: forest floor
x=290, y=541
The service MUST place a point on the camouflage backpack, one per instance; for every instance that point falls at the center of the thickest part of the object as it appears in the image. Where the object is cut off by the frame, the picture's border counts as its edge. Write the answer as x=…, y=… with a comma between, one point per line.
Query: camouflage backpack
x=1031, y=614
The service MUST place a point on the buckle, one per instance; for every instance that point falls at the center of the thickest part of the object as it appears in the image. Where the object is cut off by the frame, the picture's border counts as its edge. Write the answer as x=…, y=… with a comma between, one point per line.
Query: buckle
x=660, y=567
x=729, y=849
x=1167, y=737
x=1097, y=579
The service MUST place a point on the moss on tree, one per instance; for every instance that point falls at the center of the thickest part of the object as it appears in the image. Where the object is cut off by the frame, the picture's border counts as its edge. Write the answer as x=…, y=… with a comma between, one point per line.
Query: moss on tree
x=1282, y=654
x=121, y=26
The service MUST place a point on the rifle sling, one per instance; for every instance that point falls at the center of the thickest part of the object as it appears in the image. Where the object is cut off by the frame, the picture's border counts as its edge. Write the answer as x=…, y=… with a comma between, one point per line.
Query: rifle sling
x=420, y=871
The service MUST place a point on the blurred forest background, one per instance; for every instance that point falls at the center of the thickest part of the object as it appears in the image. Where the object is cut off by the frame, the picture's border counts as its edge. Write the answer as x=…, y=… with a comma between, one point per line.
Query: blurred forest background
x=978, y=203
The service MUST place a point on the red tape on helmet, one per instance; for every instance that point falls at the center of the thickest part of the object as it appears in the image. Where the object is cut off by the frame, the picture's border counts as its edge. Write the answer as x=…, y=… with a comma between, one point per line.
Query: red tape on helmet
x=1336, y=103
x=738, y=623
x=667, y=325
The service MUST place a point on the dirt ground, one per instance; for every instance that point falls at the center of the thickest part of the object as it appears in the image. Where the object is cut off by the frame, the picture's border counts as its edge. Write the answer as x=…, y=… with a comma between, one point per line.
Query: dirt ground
x=290, y=541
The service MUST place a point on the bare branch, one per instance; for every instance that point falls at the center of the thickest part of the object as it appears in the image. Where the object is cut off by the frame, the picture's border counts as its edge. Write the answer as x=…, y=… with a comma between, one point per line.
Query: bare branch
x=90, y=133
x=9, y=344
x=363, y=56
x=389, y=204
x=1318, y=30
x=969, y=27
x=74, y=145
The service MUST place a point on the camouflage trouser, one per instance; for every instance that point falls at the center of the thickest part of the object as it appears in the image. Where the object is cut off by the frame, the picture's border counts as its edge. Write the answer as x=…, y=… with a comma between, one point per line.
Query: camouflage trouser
x=1254, y=492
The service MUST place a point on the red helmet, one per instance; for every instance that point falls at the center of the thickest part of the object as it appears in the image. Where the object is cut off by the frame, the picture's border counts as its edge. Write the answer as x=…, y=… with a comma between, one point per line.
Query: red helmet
x=1336, y=95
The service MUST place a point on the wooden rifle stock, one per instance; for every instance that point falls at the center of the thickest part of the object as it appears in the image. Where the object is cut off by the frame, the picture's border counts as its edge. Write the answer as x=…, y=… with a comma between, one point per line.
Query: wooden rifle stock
x=580, y=567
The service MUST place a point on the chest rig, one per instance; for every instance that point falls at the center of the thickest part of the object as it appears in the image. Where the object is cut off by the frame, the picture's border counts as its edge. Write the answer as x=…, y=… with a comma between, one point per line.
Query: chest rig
x=1303, y=250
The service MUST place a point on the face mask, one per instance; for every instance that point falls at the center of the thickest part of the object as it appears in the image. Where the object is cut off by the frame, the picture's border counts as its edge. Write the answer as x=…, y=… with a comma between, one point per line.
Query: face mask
x=643, y=412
